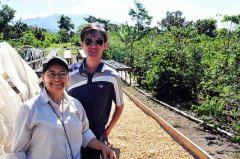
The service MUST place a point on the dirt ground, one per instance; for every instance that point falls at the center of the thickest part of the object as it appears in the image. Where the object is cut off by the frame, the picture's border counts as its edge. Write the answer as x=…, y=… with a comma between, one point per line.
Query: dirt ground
x=213, y=143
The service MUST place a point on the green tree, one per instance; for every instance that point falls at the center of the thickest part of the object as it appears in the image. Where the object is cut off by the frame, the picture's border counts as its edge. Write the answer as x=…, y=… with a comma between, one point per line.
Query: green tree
x=15, y=31
x=206, y=26
x=65, y=23
x=107, y=25
x=65, y=26
x=116, y=49
x=173, y=19
x=234, y=19
x=64, y=35
x=6, y=15
x=18, y=29
x=142, y=20
x=92, y=19
x=29, y=39
x=131, y=34
x=39, y=33
x=52, y=38
x=125, y=34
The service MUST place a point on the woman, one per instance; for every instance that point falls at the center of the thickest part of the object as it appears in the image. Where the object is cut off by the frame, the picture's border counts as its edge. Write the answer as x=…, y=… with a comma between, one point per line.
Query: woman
x=53, y=125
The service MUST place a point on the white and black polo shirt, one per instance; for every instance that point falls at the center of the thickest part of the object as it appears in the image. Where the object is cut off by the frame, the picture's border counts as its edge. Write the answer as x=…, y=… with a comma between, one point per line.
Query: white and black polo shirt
x=96, y=92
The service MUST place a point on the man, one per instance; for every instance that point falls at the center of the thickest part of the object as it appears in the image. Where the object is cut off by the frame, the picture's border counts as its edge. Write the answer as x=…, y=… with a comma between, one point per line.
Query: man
x=96, y=85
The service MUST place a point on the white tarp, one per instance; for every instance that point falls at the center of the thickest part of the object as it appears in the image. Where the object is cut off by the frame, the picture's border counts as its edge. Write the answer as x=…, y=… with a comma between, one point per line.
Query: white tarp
x=18, y=83
x=67, y=54
x=20, y=74
x=9, y=103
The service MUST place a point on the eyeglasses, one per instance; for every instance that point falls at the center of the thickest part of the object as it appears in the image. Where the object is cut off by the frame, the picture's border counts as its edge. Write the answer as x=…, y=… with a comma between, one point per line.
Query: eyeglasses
x=90, y=41
x=60, y=75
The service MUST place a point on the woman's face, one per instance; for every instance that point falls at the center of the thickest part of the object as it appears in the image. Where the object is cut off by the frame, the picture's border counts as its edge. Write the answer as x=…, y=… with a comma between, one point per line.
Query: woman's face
x=55, y=78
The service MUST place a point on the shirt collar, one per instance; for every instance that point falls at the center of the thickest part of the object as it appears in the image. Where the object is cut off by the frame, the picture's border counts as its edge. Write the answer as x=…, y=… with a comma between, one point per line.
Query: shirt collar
x=82, y=68
x=45, y=98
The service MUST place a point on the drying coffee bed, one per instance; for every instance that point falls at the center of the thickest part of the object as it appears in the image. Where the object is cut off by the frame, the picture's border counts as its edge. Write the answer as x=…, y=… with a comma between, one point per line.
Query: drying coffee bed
x=138, y=136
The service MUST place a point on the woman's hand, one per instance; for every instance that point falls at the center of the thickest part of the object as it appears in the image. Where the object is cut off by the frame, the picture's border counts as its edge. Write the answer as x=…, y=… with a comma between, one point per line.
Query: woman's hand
x=107, y=152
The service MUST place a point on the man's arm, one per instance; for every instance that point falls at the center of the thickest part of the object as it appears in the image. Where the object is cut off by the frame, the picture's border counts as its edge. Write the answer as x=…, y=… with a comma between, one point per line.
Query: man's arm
x=116, y=115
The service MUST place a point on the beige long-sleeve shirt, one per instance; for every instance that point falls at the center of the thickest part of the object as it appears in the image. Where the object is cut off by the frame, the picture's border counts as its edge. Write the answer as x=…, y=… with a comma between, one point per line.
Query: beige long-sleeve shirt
x=38, y=133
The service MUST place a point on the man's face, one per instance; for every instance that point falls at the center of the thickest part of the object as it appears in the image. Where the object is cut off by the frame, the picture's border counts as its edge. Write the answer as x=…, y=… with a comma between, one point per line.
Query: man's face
x=94, y=45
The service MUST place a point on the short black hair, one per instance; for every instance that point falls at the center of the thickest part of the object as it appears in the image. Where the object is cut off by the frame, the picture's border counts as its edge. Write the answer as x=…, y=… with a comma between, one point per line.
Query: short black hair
x=92, y=28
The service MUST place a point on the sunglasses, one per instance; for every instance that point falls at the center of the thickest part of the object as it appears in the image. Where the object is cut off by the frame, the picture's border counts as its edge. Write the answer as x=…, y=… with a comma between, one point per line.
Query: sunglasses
x=90, y=41
x=60, y=75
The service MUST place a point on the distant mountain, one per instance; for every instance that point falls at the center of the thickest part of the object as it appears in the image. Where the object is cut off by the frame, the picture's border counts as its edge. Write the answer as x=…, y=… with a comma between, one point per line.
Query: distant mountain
x=50, y=22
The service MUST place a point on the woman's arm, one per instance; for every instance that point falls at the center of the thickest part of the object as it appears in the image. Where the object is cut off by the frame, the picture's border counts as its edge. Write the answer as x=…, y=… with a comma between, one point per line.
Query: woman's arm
x=106, y=151
x=21, y=134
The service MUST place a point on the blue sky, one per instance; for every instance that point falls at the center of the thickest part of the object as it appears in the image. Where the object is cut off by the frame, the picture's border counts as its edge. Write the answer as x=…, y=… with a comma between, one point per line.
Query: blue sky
x=117, y=10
